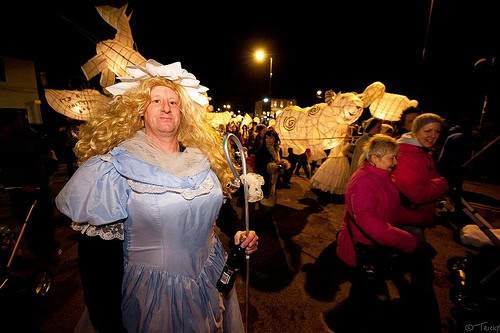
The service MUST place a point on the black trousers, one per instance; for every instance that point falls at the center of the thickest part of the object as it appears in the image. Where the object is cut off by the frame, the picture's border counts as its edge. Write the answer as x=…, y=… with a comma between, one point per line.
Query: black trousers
x=417, y=309
x=101, y=271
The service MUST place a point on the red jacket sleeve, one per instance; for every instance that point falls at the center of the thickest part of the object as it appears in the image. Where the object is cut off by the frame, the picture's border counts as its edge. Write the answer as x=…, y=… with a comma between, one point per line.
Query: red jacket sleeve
x=413, y=178
x=366, y=213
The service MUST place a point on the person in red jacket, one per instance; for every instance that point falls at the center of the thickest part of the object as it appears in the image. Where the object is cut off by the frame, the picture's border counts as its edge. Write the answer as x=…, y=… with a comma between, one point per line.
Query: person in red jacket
x=372, y=203
x=420, y=186
x=416, y=176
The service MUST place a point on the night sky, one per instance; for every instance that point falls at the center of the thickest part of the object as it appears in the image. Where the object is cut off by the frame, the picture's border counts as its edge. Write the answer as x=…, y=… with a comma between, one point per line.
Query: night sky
x=315, y=45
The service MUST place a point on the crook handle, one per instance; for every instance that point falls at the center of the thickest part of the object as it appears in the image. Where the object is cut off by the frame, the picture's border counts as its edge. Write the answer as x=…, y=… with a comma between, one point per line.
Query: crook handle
x=227, y=138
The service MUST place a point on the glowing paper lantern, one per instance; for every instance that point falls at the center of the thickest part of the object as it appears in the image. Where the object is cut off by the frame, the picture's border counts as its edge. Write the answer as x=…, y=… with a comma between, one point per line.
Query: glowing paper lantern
x=75, y=104
x=390, y=106
x=324, y=125
x=113, y=56
x=247, y=120
x=372, y=93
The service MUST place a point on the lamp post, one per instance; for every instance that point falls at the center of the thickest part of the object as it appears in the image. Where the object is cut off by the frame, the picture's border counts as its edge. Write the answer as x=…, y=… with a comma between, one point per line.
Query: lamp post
x=260, y=55
x=270, y=75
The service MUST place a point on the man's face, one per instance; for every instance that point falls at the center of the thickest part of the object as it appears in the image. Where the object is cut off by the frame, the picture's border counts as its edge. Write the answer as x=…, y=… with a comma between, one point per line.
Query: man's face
x=163, y=116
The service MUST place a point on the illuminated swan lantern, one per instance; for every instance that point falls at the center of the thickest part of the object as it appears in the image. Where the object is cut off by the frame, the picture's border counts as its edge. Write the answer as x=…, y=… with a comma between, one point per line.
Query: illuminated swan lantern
x=324, y=125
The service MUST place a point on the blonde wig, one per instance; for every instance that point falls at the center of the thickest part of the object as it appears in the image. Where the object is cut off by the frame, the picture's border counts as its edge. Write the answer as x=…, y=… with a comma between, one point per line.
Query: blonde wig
x=124, y=118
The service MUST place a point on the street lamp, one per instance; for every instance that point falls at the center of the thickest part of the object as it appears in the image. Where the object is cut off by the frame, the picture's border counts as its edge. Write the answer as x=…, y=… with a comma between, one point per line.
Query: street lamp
x=260, y=55
x=318, y=94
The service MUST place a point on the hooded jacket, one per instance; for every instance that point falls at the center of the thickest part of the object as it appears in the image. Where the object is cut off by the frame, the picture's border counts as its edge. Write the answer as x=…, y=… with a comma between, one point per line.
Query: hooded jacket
x=417, y=178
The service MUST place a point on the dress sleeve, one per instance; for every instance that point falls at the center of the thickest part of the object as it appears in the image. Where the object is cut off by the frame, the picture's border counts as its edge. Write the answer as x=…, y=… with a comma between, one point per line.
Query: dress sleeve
x=96, y=194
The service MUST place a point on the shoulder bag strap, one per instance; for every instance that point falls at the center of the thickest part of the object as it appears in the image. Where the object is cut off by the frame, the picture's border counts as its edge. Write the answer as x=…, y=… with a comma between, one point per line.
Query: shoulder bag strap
x=350, y=220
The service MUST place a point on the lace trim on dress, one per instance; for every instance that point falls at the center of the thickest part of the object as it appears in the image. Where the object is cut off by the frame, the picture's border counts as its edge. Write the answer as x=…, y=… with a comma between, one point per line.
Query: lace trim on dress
x=106, y=232
x=187, y=193
x=189, y=162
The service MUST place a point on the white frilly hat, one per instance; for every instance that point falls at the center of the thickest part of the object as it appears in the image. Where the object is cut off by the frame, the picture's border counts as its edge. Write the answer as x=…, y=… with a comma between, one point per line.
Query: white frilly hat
x=173, y=72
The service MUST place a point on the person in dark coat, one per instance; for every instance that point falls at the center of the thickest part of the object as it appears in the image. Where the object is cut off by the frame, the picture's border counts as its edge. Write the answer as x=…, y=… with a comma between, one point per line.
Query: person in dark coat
x=456, y=150
x=405, y=123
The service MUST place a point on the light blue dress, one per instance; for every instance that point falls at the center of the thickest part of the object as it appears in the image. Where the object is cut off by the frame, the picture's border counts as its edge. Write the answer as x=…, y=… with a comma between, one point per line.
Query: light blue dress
x=173, y=258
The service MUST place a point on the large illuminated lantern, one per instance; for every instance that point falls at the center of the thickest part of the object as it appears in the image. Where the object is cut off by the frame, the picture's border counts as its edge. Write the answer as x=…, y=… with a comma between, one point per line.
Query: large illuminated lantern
x=113, y=55
x=324, y=125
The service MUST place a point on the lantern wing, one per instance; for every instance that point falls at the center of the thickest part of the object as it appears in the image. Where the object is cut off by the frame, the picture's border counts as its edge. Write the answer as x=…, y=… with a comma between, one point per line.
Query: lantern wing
x=118, y=19
x=75, y=104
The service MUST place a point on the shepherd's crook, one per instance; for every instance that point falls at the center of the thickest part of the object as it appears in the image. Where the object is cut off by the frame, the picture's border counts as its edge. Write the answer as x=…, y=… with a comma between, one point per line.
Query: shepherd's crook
x=243, y=182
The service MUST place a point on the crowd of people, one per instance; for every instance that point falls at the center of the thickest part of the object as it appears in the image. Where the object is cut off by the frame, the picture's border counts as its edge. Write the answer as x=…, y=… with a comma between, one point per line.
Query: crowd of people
x=152, y=178
x=391, y=184
x=330, y=174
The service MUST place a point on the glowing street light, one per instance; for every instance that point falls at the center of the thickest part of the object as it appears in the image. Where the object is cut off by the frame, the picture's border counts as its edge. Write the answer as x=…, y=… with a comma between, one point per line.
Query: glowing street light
x=318, y=94
x=260, y=55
